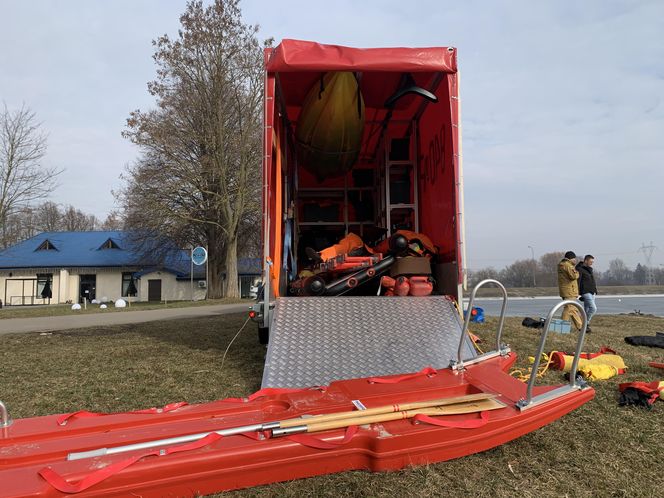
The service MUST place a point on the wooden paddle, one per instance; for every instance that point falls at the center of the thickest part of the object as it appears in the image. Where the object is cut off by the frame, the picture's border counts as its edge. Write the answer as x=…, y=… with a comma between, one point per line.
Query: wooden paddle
x=316, y=419
x=468, y=407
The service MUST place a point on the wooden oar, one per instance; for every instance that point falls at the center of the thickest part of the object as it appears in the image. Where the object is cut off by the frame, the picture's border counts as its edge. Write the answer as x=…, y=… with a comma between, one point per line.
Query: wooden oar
x=384, y=409
x=360, y=419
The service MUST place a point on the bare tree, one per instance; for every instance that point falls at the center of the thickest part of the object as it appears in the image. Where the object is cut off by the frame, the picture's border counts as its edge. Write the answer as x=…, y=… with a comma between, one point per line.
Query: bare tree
x=659, y=276
x=200, y=171
x=476, y=276
x=547, y=271
x=20, y=225
x=618, y=273
x=249, y=236
x=639, y=274
x=49, y=217
x=75, y=220
x=113, y=221
x=23, y=177
x=518, y=274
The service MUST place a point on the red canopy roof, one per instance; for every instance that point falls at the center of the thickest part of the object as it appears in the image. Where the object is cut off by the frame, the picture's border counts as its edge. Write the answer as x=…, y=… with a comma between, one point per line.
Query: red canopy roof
x=298, y=55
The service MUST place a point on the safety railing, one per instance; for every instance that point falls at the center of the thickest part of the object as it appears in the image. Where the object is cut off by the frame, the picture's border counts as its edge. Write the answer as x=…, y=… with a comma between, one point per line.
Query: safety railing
x=5, y=420
x=501, y=349
x=574, y=384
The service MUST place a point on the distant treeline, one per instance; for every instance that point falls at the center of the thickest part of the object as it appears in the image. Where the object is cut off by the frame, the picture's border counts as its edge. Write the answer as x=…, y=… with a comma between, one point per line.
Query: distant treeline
x=29, y=221
x=543, y=273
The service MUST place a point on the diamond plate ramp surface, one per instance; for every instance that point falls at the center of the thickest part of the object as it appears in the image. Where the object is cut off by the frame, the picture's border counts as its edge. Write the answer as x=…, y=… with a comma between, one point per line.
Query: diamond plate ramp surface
x=316, y=340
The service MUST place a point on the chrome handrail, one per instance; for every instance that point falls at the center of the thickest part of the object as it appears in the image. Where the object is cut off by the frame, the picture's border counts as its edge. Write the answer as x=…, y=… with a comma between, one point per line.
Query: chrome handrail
x=5, y=420
x=529, y=401
x=501, y=349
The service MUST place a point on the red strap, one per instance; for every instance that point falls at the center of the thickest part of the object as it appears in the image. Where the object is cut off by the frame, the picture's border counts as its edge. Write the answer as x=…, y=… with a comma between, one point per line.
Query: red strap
x=272, y=391
x=427, y=371
x=590, y=356
x=646, y=387
x=654, y=364
x=268, y=391
x=59, y=483
x=63, y=419
x=652, y=389
x=465, y=424
x=314, y=442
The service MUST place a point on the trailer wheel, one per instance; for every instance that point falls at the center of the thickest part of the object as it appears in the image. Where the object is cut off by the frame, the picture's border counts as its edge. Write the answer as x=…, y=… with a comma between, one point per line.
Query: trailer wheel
x=263, y=335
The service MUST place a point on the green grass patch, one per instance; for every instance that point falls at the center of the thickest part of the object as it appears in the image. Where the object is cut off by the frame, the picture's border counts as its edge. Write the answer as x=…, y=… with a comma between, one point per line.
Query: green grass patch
x=598, y=450
x=65, y=309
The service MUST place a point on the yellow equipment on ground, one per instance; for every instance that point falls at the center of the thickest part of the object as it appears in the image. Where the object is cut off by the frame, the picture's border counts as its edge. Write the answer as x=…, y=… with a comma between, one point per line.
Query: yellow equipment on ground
x=598, y=371
x=593, y=366
x=562, y=361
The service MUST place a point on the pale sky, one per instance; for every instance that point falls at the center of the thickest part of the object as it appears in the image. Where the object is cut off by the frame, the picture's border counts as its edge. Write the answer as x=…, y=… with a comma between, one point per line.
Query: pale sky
x=563, y=104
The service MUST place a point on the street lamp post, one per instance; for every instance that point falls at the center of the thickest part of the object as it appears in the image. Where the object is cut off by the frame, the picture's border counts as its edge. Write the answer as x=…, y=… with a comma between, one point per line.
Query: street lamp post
x=532, y=251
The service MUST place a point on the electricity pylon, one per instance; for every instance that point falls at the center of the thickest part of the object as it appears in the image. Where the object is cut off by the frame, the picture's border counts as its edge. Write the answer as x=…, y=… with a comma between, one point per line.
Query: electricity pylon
x=647, y=252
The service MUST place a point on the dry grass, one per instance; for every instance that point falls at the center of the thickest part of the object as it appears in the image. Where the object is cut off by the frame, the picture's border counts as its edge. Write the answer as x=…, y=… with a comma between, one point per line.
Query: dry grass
x=597, y=450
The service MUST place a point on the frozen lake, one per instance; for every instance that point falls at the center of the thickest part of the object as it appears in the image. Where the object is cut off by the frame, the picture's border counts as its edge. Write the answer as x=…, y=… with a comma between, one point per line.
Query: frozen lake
x=540, y=306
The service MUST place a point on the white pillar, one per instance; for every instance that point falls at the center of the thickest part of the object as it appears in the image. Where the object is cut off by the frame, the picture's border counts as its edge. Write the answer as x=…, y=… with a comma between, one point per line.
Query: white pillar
x=63, y=286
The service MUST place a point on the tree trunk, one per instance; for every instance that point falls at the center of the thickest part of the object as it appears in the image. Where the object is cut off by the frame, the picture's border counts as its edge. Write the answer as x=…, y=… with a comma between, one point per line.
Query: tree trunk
x=216, y=261
x=215, y=283
x=231, y=283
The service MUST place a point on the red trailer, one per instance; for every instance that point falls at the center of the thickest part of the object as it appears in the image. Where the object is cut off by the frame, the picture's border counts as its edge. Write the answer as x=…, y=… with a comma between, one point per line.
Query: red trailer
x=408, y=173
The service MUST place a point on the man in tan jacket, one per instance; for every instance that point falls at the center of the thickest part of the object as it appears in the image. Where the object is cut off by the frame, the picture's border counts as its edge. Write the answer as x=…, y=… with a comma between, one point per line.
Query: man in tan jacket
x=568, y=286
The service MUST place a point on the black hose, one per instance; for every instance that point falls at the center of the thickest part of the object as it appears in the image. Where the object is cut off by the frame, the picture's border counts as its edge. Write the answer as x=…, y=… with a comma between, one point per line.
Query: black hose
x=348, y=282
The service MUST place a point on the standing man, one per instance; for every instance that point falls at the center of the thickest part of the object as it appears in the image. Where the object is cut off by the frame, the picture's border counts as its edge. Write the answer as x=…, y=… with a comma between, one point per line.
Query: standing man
x=587, y=286
x=569, y=288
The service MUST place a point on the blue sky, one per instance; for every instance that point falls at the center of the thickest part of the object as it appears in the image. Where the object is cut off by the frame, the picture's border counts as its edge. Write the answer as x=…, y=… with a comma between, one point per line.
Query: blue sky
x=563, y=104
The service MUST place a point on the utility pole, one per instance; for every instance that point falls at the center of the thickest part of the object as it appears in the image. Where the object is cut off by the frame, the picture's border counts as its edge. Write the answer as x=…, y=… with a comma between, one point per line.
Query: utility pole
x=647, y=253
x=532, y=251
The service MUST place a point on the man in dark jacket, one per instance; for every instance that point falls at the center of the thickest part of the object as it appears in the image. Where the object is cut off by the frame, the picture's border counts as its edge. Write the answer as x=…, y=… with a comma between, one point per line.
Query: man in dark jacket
x=587, y=286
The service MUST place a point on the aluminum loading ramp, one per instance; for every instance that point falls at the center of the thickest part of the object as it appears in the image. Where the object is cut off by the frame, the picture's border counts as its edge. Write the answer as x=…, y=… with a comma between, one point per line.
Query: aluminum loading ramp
x=316, y=340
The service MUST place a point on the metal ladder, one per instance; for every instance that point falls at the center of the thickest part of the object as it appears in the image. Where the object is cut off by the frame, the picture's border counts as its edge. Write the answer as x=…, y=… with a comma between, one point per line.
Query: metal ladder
x=411, y=163
x=501, y=349
x=529, y=401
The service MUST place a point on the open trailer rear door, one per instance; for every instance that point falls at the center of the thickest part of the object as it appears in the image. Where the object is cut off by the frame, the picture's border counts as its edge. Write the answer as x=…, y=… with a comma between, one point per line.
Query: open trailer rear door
x=296, y=211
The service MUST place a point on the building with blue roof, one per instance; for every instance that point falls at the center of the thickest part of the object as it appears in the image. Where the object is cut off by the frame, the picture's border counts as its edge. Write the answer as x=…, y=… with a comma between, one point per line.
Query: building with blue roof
x=68, y=267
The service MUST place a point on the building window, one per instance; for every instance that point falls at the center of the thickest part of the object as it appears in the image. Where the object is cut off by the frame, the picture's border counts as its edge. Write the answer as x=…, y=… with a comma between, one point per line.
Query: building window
x=46, y=246
x=44, y=285
x=109, y=244
x=128, y=281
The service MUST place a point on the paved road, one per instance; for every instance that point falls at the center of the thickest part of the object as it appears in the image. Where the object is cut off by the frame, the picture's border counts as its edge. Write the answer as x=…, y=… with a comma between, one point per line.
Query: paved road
x=66, y=322
x=606, y=305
